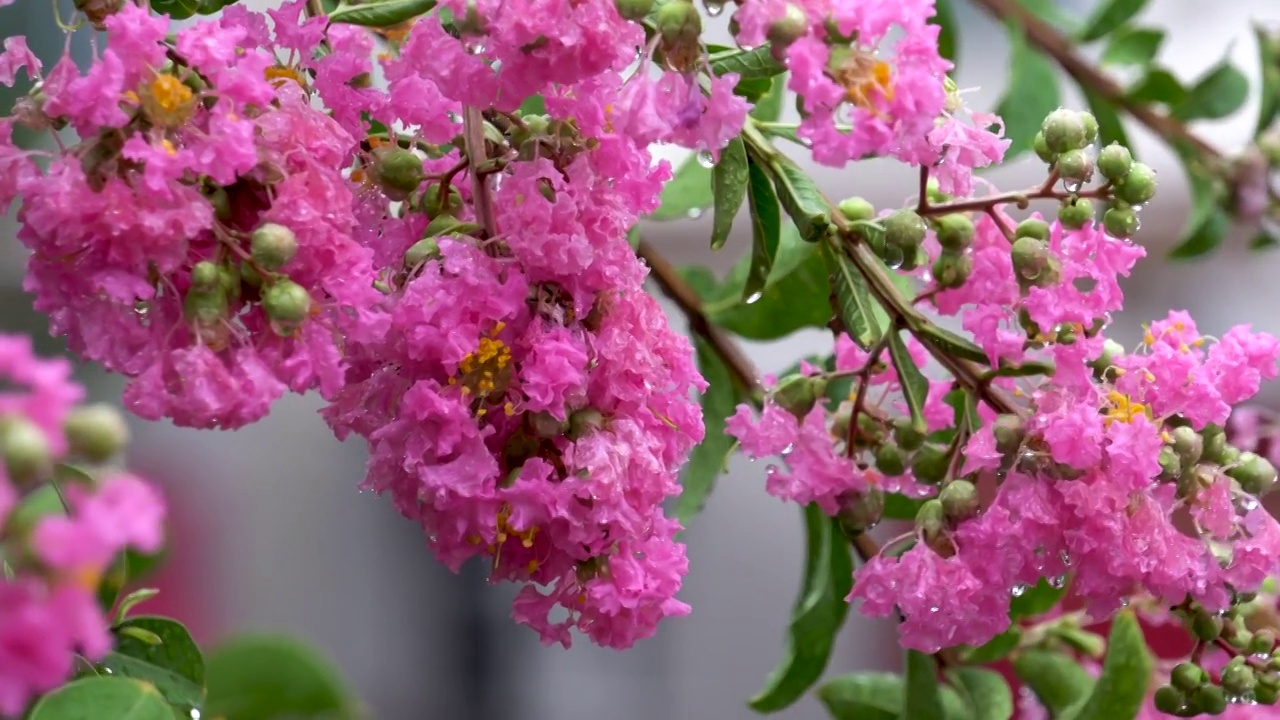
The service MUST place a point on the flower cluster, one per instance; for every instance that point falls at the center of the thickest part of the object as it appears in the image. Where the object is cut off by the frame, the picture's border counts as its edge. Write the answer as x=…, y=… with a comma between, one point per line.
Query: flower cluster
x=58, y=537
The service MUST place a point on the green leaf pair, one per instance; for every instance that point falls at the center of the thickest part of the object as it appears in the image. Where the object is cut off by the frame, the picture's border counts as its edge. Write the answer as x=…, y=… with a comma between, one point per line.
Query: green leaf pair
x=971, y=694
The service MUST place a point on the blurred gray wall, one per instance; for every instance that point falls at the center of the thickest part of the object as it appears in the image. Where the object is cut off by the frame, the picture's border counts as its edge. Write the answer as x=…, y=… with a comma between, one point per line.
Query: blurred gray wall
x=291, y=545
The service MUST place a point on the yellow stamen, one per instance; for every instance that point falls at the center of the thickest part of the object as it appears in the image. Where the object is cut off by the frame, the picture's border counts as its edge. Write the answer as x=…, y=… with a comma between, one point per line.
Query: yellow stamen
x=1123, y=409
x=167, y=101
x=280, y=72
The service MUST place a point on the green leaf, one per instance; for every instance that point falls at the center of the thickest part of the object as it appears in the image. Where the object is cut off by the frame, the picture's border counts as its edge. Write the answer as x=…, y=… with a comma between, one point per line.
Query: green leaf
x=818, y=614
x=143, y=636
x=265, y=678
x=1208, y=223
x=954, y=344
x=766, y=229
x=921, y=699
x=533, y=105
x=753, y=89
x=132, y=600
x=1132, y=46
x=706, y=462
x=1048, y=11
x=729, y=183
x=1269, y=107
x=381, y=13
x=1126, y=673
x=1036, y=600
x=1218, y=93
x=748, y=64
x=633, y=237
x=176, y=9
x=769, y=107
x=856, y=306
x=39, y=503
x=174, y=665
x=1057, y=679
x=948, y=36
x=901, y=507
x=984, y=691
x=915, y=387
x=997, y=648
x=102, y=698
x=801, y=199
x=1031, y=95
x=1108, y=15
x=1268, y=237
x=795, y=297
x=1158, y=86
x=879, y=696
x=687, y=194
x=1110, y=126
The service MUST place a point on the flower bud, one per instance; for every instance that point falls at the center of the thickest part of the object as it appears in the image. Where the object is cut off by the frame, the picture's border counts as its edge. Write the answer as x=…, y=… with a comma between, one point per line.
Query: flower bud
x=398, y=172
x=856, y=208
x=959, y=500
x=1009, y=431
x=1032, y=228
x=789, y=28
x=905, y=230
x=434, y=202
x=1169, y=699
x=1170, y=463
x=1206, y=626
x=1076, y=165
x=1263, y=642
x=272, y=246
x=952, y=270
x=870, y=431
x=1138, y=186
x=1256, y=474
x=1187, y=444
x=1238, y=679
x=1042, y=149
x=1114, y=162
x=861, y=511
x=930, y=464
x=1064, y=130
x=1032, y=261
x=205, y=277
x=680, y=28
x=1214, y=444
x=425, y=250
x=1090, y=126
x=1187, y=676
x=1075, y=213
x=1110, y=351
x=286, y=303
x=798, y=394
x=1209, y=698
x=220, y=201
x=906, y=435
x=27, y=456
x=889, y=460
x=205, y=307
x=954, y=232
x=1120, y=222
x=930, y=519
x=96, y=432
x=633, y=9
x=585, y=422
x=1266, y=694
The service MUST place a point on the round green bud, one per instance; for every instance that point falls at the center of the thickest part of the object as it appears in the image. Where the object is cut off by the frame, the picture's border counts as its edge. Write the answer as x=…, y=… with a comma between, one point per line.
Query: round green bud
x=1032, y=261
x=1075, y=213
x=1215, y=444
x=1064, y=130
x=633, y=9
x=913, y=260
x=856, y=208
x=905, y=230
x=219, y=200
x=1090, y=126
x=1042, y=149
x=435, y=202
x=959, y=500
x=1170, y=463
x=907, y=436
x=584, y=422
x=1076, y=165
x=1210, y=699
x=1114, y=162
x=1009, y=431
x=1206, y=626
x=398, y=171
x=1121, y=222
x=929, y=464
x=1238, y=638
x=1188, y=444
x=890, y=461
x=96, y=432
x=1032, y=228
x=27, y=456
x=679, y=23
x=205, y=307
x=951, y=270
x=1110, y=351
x=1263, y=642
x=1266, y=694
x=790, y=27
x=1256, y=474
x=798, y=394
x=1169, y=699
x=931, y=518
x=1238, y=679
x=1187, y=676
x=861, y=511
x=286, y=303
x=870, y=431
x=1138, y=186
x=205, y=277
x=424, y=250
x=272, y=246
x=954, y=232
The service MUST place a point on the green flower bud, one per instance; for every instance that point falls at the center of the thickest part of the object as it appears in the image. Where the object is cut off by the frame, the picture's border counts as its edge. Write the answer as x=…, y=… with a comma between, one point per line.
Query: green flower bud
x=930, y=519
x=1215, y=444
x=1169, y=699
x=1209, y=699
x=913, y=260
x=889, y=460
x=907, y=436
x=1263, y=642
x=861, y=511
x=1256, y=474
x=633, y=9
x=205, y=307
x=1042, y=149
x=905, y=230
x=856, y=208
x=1064, y=130
x=1009, y=431
x=1187, y=676
x=680, y=28
x=1110, y=351
x=1188, y=444
x=1076, y=165
x=1206, y=626
x=547, y=426
x=219, y=200
x=790, y=27
x=434, y=202
x=585, y=422
x=1170, y=463
x=1032, y=228
x=930, y=464
x=286, y=304
x=951, y=270
x=398, y=172
x=1238, y=638
x=1238, y=679
x=1121, y=222
x=27, y=456
x=424, y=250
x=954, y=232
x=205, y=277
x=1033, y=263
x=959, y=500
x=1114, y=162
x=1266, y=694
x=870, y=431
x=96, y=432
x=1075, y=213
x=798, y=394
x=1138, y=186
x=272, y=246
x=1090, y=126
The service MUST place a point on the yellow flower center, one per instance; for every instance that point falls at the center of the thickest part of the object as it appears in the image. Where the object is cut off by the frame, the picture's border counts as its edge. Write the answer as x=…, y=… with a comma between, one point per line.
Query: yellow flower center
x=865, y=79
x=281, y=72
x=487, y=370
x=1122, y=408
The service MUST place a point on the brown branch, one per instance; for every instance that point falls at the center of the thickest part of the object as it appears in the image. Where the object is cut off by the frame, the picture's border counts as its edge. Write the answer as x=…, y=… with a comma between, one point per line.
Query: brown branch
x=1049, y=41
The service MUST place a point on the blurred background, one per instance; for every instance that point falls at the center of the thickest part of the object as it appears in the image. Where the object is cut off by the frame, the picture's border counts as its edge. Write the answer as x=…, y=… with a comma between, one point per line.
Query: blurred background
x=270, y=533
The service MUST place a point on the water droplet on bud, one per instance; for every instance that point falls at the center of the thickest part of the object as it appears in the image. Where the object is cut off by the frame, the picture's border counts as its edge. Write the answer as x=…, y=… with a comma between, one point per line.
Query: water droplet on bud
x=706, y=159
x=1019, y=590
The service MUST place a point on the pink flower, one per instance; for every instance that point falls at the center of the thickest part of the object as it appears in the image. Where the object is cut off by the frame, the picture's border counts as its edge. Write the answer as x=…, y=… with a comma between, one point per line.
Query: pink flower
x=16, y=56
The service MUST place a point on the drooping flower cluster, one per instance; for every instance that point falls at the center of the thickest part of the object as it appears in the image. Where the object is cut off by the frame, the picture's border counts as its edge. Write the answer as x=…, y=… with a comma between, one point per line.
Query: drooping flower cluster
x=57, y=541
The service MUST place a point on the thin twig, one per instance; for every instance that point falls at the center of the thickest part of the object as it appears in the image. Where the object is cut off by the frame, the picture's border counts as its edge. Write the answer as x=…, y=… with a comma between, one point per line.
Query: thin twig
x=473, y=138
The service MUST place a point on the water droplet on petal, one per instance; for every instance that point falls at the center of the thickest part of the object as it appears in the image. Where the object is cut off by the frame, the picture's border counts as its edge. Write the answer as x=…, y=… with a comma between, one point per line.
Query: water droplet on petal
x=754, y=297
x=934, y=608
x=1065, y=557
x=705, y=159
x=790, y=448
x=1058, y=582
